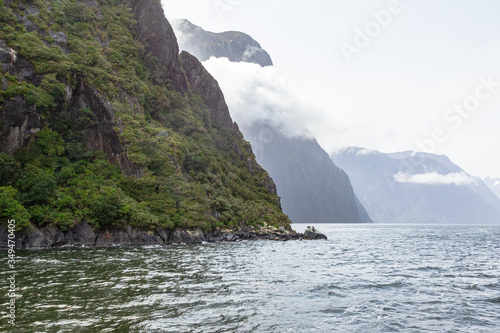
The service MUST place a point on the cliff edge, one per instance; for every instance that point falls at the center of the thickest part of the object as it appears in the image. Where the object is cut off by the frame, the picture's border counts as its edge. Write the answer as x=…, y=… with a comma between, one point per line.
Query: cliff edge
x=102, y=122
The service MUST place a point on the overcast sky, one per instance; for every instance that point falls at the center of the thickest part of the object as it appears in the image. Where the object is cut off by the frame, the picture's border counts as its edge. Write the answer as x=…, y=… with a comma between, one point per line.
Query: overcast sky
x=391, y=87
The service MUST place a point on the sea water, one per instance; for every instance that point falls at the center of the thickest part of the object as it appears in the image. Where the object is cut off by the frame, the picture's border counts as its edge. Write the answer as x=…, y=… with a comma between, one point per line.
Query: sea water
x=365, y=278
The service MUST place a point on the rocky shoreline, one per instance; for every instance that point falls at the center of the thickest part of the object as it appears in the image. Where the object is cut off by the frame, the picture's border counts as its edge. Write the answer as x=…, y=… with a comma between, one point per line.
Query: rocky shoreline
x=83, y=235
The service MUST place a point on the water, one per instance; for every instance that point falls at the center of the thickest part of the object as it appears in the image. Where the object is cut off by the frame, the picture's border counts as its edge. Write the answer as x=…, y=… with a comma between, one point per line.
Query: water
x=365, y=278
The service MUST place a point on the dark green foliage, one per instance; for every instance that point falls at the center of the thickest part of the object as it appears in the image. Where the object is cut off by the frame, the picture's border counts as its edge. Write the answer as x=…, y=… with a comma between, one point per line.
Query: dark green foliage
x=8, y=169
x=36, y=185
x=107, y=207
x=12, y=209
x=186, y=176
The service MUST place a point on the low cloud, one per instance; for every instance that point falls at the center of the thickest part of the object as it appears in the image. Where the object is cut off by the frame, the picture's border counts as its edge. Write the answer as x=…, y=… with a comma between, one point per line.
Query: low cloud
x=254, y=93
x=179, y=27
x=250, y=51
x=434, y=178
x=364, y=152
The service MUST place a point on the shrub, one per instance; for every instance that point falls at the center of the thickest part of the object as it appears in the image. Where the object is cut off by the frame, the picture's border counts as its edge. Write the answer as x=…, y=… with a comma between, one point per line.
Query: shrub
x=8, y=169
x=37, y=187
x=12, y=209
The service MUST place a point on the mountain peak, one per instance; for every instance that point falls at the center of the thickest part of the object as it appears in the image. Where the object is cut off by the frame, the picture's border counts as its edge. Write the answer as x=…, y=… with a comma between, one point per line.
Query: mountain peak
x=234, y=45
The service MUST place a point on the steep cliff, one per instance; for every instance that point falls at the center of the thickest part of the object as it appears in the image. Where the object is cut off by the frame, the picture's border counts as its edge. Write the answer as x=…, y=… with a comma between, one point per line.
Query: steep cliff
x=102, y=121
x=204, y=84
x=312, y=188
x=234, y=45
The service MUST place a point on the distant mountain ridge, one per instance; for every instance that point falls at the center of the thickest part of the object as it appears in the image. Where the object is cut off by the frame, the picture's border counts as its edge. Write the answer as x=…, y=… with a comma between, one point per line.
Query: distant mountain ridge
x=414, y=187
x=234, y=45
x=494, y=185
x=312, y=188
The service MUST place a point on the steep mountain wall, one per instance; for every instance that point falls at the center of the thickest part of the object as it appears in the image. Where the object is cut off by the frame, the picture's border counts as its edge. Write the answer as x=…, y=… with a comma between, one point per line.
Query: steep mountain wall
x=102, y=121
x=312, y=188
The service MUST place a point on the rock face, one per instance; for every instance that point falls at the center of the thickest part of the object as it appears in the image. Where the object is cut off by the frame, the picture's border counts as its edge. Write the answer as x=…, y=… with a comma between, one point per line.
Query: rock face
x=312, y=188
x=23, y=119
x=159, y=39
x=236, y=46
x=312, y=233
x=203, y=83
x=413, y=187
x=83, y=235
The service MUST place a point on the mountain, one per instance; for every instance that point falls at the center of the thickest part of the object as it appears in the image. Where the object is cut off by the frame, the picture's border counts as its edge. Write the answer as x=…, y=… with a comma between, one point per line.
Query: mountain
x=103, y=121
x=413, y=187
x=494, y=185
x=234, y=45
x=312, y=188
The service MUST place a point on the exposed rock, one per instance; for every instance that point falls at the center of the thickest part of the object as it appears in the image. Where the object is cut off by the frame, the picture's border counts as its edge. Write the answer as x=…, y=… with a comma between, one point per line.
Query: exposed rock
x=3, y=236
x=160, y=40
x=312, y=233
x=112, y=237
x=143, y=237
x=238, y=151
x=7, y=55
x=164, y=234
x=83, y=235
x=19, y=118
x=163, y=134
x=60, y=39
x=54, y=236
x=204, y=83
x=32, y=239
x=236, y=46
x=187, y=236
x=102, y=136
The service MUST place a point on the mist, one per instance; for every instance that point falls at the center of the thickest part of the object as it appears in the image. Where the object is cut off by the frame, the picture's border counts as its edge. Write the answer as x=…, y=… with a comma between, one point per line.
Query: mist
x=260, y=94
x=434, y=178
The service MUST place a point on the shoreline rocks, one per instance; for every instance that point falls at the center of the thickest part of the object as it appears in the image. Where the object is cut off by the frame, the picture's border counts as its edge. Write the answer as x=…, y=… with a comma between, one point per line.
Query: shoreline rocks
x=312, y=233
x=83, y=235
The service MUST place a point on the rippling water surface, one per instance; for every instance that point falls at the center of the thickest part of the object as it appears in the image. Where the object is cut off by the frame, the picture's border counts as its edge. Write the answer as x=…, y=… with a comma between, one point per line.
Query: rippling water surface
x=365, y=278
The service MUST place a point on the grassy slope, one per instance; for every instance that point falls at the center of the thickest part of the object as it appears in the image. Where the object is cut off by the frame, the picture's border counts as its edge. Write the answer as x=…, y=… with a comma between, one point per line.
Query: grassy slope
x=186, y=176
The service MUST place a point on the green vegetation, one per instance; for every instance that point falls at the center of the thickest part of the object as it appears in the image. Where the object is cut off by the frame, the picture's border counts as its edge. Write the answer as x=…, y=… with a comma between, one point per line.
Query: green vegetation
x=186, y=175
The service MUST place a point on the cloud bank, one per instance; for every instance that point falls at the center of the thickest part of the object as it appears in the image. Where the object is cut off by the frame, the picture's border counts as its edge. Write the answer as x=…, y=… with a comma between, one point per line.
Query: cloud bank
x=178, y=26
x=254, y=93
x=434, y=178
x=365, y=152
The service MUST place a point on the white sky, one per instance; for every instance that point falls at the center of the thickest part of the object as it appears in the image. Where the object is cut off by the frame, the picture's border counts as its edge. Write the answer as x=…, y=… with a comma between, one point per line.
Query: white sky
x=395, y=92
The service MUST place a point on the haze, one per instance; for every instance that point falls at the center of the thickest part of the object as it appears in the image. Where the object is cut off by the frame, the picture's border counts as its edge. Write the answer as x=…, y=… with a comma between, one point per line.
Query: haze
x=398, y=90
